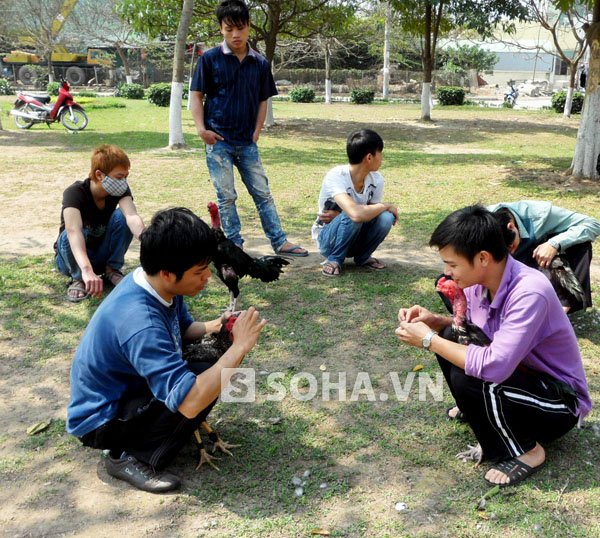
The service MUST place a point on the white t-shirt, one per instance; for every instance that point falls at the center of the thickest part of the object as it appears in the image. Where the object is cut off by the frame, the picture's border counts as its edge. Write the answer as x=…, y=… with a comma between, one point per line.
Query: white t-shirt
x=339, y=181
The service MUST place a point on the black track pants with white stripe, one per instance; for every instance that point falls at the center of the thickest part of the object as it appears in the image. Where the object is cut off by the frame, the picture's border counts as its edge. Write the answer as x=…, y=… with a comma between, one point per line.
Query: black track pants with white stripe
x=508, y=418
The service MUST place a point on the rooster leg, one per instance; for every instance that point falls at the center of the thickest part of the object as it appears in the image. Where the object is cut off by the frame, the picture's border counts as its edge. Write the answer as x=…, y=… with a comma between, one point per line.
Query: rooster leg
x=205, y=457
x=233, y=302
x=473, y=453
x=223, y=446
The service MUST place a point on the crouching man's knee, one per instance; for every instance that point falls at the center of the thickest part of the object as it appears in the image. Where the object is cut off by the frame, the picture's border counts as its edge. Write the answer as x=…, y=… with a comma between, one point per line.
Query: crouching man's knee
x=386, y=220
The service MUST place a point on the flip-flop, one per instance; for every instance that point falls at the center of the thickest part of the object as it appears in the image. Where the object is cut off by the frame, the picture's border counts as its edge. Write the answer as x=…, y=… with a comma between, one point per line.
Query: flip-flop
x=334, y=269
x=516, y=470
x=371, y=265
x=79, y=286
x=296, y=250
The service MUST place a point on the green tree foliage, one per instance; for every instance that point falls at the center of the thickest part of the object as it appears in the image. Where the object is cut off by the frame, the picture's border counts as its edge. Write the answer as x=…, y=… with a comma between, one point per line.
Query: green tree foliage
x=465, y=57
x=271, y=19
x=5, y=87
x=427, y=20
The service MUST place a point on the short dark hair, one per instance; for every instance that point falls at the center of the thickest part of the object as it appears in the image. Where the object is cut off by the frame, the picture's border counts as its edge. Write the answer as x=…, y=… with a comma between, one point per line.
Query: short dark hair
x=504, y=217
x=361, y=143
x=176, y=240
x=469, y=231
x=234, y=12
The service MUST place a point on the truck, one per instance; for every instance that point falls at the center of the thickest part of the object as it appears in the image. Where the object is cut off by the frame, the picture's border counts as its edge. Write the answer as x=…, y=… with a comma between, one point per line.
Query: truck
x=76, y=69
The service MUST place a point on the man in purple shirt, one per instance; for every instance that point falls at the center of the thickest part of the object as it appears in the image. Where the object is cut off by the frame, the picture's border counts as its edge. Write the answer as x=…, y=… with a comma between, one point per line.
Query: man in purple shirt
x=528, y=386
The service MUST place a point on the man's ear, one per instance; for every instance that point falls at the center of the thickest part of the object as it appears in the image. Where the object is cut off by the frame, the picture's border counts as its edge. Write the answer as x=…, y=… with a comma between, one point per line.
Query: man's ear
x=484, y=258
x=167, y=277
x=98, y=174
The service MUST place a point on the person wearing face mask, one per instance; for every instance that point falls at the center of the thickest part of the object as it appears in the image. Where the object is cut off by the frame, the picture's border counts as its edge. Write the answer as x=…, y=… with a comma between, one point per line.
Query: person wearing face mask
x=94, y=234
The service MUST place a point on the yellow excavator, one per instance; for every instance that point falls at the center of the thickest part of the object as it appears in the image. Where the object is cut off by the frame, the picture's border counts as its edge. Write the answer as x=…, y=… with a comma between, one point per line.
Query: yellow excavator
x=76, y=69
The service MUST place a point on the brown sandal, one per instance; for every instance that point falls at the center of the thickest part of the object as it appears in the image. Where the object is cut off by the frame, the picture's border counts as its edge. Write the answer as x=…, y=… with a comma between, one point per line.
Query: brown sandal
x=374, y=264
x=74, y=288
x=331, y=269
x=114, y=277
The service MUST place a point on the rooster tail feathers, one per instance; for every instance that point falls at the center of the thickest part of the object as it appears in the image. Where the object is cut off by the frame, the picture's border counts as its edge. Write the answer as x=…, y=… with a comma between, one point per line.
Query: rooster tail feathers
x=267, y=268
x=563, y=279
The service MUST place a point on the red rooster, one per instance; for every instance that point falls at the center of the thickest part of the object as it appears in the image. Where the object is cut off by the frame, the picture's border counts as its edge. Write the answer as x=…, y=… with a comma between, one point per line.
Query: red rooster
x=232, y=263
x=463, y=330
x=209, y=349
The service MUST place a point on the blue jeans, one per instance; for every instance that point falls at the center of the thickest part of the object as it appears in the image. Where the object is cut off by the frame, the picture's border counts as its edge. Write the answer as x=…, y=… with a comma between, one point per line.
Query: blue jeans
x=220, y=159
x=343, y=238
x=111, y=251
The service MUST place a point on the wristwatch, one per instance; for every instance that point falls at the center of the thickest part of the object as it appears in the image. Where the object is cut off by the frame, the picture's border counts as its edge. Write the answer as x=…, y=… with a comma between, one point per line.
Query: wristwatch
x=555, y=244
x=427, y=339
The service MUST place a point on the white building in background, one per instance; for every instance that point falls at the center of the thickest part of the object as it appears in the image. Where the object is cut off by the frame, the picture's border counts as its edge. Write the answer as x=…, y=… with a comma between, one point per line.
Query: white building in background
x=526, y=55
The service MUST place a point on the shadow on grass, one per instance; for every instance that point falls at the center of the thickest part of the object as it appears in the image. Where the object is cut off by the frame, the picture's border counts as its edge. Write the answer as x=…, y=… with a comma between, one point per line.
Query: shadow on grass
x=88, y=139
x=346, y=324
x=445, y=131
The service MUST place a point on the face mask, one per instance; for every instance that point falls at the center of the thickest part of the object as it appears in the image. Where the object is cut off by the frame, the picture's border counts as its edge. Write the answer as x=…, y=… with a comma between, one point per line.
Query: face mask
x=115, y=187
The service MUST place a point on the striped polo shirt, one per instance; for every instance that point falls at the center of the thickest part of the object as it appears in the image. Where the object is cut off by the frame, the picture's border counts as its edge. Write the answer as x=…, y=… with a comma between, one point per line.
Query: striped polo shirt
x=233, y=91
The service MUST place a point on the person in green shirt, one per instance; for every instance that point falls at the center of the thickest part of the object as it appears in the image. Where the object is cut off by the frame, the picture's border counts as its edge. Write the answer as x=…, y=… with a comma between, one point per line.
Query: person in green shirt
x=542, y=230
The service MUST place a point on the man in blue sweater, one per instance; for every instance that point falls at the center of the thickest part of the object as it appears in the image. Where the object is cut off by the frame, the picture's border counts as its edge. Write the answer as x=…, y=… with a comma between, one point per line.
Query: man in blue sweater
x=131, y=390
x=237, y=83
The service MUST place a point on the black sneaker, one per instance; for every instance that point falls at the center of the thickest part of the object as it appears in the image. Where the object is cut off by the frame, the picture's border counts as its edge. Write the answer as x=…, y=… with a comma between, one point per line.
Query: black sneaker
x=141, y=475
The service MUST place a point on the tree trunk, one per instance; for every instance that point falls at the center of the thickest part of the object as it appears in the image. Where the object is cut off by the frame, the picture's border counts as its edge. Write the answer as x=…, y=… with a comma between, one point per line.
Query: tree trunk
x=386, y=52
x=176, y=140
x=426, y=57
x=125, y=61
x=587, y=150
x=473, y=80
x=50, y=68
x=569, y=99
x=327, y=74
x=269, y=119
x=270, y=43
x=426, y=101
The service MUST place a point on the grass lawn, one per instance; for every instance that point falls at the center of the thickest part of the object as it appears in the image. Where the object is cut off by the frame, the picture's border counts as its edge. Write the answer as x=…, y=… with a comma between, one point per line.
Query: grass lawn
x=370, y=455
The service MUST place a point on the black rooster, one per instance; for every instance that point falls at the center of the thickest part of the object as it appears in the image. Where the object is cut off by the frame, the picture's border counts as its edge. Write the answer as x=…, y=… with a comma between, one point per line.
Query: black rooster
x=564, y=281
x=210, y=349
x=232, y=263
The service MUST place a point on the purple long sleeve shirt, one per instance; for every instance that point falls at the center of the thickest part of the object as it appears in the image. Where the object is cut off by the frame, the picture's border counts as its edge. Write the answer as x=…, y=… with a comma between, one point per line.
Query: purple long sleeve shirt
x=528, y=326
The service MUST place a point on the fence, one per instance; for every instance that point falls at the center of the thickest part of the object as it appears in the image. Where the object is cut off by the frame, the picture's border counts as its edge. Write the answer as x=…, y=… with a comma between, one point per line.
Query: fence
x=344, y=80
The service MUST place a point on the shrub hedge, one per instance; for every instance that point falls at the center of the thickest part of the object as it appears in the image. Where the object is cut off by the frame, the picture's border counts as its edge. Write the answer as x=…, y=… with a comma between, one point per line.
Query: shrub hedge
x=451, y=95
x=560, y=98
x=130, y=91
x=362, y=97
x=52, y=88
x=302, y=95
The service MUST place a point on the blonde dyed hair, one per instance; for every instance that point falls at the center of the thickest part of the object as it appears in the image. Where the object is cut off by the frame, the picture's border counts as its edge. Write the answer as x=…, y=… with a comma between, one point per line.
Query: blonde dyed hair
x=106, y=158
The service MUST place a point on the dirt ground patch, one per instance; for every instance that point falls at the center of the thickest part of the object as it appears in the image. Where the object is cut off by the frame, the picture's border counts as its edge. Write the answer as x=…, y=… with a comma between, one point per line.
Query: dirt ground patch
x=52, y=487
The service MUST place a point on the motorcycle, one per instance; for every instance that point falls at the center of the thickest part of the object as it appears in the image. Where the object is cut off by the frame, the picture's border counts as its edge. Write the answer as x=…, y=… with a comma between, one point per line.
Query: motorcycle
x=30, y=109
x=511, y=97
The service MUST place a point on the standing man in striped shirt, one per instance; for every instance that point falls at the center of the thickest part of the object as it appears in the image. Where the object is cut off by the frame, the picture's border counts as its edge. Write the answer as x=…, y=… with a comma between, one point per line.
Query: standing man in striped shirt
x=237, y=82
x=528, y=386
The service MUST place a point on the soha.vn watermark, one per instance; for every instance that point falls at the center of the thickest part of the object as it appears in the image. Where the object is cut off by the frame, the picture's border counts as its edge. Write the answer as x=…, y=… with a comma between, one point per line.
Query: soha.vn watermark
x=304, y=386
